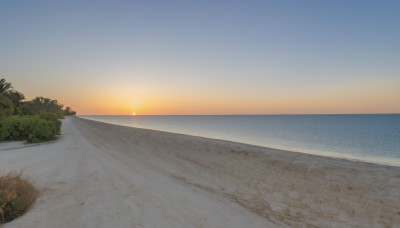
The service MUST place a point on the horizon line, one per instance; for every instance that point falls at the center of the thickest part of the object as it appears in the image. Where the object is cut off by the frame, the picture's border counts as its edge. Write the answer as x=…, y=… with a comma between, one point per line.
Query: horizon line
x=290, y=114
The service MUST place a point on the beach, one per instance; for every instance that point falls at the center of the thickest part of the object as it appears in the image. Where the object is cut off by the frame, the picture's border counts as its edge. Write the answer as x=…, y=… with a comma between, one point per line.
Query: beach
x=103, y=175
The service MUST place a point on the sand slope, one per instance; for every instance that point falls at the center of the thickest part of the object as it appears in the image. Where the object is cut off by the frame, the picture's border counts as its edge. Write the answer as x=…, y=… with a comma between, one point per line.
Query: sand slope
x=101, y=175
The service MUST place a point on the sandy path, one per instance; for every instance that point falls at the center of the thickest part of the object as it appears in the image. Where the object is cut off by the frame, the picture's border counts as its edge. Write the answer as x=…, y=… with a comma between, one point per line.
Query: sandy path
x=101, y=175
x=85, y=184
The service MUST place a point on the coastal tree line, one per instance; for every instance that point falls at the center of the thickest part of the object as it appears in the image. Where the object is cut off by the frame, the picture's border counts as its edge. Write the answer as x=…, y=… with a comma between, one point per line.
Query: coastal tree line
x=35, y=120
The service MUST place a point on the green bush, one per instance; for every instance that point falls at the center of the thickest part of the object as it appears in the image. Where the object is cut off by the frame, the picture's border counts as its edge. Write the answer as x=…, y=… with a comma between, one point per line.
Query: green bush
x=52, y=117
x=37, y=128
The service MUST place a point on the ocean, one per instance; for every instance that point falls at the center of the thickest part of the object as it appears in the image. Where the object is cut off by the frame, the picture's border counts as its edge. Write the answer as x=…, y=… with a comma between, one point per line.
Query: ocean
x=371, y=138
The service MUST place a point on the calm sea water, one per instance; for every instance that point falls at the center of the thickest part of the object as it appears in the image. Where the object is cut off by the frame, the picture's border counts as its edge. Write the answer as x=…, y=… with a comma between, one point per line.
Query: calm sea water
x=373, y=138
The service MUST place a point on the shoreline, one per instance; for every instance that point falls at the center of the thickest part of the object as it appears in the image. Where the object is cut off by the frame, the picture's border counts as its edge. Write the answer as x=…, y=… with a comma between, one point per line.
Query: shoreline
x=327, y=154
x=105, y=175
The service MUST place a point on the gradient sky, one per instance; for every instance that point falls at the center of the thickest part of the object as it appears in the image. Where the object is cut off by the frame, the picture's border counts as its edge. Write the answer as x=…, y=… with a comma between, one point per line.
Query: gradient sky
x=205, y=57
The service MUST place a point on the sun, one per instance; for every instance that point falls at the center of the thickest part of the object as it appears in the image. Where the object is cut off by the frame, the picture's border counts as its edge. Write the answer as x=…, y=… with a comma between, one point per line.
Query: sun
x=133, y=113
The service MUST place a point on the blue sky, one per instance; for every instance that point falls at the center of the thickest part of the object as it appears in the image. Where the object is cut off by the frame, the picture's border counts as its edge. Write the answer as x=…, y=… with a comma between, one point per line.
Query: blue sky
x=221, y=56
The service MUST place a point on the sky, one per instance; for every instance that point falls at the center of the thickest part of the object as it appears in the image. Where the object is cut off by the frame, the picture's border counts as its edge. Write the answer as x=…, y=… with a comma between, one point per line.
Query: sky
x=205, y=57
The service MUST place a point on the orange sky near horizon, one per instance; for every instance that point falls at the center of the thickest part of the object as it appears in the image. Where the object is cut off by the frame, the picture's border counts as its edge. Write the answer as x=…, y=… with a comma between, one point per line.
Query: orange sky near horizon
x=122, y=95
x=372, y=98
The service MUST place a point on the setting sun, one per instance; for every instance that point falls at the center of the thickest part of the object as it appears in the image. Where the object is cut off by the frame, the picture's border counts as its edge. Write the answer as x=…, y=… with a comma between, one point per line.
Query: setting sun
x=133, y=113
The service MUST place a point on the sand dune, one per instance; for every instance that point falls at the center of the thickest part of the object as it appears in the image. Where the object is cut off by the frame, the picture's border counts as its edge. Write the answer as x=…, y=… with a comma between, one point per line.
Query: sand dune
x=102, y=175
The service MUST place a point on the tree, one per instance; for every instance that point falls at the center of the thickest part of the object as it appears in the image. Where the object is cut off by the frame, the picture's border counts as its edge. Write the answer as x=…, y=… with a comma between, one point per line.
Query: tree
x=16, y=98
x=69, y=112
x=12, y=102
x=42, y=104
x=6, y=105
x=10, y=95
x=4, y=86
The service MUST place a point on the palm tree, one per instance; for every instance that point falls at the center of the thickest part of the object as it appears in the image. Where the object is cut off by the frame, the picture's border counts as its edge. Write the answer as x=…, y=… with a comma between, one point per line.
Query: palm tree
x=4, y=86
x=16, y=98
x=6, y=105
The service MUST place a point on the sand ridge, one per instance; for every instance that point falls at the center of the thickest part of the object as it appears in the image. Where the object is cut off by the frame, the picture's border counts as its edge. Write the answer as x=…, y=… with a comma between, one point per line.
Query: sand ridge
x=103, y=175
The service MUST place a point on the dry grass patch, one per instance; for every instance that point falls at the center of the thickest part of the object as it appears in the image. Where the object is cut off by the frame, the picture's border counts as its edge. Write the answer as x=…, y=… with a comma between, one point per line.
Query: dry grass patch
x=16, y=196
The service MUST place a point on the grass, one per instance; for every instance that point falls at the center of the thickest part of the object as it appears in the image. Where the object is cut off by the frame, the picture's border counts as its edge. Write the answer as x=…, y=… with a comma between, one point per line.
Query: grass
x=16, y=196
